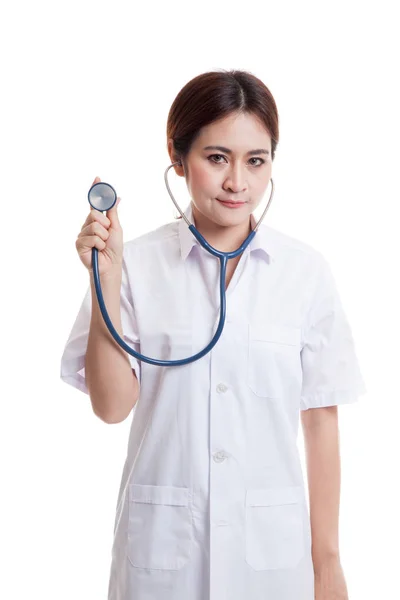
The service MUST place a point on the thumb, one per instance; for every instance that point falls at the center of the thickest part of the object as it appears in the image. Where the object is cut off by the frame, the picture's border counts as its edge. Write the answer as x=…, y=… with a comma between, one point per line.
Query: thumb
x=112, y=213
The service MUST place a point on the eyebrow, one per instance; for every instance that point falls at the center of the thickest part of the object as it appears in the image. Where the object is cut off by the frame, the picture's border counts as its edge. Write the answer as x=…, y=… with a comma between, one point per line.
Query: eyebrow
x=227, y=151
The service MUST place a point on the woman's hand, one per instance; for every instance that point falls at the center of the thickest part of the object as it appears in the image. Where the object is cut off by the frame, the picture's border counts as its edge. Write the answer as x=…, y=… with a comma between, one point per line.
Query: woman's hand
x=103, y=232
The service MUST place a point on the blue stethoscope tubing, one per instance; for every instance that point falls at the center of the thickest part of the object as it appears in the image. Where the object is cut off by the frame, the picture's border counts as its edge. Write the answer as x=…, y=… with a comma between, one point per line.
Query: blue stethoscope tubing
x=223, y=257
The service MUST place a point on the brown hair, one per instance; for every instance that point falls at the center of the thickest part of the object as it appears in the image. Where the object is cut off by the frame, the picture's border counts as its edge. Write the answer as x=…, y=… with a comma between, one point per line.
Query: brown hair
x=212, y=96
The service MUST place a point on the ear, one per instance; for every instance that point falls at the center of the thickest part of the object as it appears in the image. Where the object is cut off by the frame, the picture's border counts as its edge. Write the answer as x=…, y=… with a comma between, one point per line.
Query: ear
x=178, y=168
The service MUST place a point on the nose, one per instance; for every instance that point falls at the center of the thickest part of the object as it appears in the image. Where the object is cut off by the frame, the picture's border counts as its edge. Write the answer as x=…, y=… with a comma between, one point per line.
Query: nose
x=236, y=179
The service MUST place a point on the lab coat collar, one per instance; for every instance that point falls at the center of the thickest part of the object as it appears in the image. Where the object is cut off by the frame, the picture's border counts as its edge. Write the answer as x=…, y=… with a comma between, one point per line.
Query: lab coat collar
x=261, y=241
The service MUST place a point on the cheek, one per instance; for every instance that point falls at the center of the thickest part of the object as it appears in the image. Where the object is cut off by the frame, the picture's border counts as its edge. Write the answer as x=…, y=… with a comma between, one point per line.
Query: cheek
x=201, y=178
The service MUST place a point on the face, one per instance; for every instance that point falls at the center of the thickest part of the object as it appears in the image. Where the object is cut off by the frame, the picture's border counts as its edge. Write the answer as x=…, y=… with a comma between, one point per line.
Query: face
x=214, y=174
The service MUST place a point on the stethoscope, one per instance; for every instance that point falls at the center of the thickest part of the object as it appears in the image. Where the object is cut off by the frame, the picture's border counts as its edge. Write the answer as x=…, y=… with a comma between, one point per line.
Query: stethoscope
x=102, y=196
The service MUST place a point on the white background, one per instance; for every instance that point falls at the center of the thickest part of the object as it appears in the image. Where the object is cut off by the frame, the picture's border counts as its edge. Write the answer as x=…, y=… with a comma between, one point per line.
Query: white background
x=86, y=90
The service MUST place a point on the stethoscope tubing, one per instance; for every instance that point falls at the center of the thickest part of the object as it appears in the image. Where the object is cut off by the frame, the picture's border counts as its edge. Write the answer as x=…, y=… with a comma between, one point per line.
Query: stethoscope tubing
x=223, y=258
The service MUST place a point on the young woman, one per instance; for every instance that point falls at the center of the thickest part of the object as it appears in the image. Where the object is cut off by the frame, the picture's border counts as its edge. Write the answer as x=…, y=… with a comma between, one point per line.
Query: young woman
x=212, y=502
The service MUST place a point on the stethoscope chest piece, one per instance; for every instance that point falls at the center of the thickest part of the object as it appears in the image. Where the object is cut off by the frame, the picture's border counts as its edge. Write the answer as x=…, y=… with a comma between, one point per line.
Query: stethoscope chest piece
x=102, y=196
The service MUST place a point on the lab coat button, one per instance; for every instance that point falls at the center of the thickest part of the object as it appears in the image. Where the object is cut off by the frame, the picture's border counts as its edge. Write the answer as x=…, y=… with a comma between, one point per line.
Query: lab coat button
x=221, y=387
x=219, y=456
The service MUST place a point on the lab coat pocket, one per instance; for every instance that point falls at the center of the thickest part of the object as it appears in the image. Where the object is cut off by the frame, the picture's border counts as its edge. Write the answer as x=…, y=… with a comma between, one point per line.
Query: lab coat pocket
x=160, y=527
x=274, y=528
x=273, y=358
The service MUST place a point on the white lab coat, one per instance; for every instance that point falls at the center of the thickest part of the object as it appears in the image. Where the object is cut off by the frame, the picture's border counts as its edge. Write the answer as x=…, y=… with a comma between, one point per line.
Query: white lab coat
x=212, y=504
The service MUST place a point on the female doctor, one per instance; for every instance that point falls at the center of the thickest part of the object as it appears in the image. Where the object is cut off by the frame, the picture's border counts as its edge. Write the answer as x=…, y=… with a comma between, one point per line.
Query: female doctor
x=212, y=502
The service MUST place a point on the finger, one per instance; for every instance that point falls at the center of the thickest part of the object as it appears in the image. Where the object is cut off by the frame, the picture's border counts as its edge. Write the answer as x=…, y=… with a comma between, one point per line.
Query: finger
x=96, y=215
x=90, y=241
x=95, y=228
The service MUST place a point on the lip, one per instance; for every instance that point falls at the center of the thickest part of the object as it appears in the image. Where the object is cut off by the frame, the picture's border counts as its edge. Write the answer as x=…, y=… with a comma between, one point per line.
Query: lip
x=231, y=203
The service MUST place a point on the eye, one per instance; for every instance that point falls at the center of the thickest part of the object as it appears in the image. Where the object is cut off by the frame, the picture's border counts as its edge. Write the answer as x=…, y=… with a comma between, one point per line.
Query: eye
x=262, y=161
x=257, y=158
x=213, y=155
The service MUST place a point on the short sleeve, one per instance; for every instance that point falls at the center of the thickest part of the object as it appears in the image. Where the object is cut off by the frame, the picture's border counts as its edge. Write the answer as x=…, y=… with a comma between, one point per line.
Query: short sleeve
x=73, y=358
x=331, y=371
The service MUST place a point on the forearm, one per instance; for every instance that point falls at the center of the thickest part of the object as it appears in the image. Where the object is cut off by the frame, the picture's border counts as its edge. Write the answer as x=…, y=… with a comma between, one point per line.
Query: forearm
x=321, y=437
x=113, y=386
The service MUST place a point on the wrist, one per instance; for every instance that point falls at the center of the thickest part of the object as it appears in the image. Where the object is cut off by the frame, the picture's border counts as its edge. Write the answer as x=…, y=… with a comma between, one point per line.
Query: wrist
x=112, y=275
x=322, y=560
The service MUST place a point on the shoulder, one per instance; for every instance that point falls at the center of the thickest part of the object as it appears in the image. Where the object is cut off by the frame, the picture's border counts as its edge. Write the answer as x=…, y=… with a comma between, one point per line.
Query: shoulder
x=289, y=248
